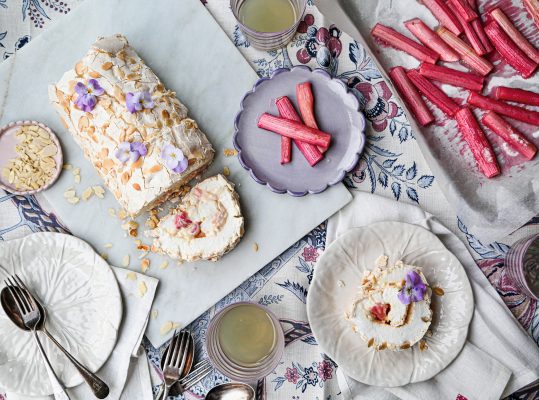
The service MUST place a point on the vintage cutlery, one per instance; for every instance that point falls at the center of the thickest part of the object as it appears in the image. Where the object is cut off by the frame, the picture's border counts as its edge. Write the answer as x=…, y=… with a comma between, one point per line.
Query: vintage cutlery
x=178, y=359
x=98, y=387
x=26, y=310
x=202, y=369
x=231, y=390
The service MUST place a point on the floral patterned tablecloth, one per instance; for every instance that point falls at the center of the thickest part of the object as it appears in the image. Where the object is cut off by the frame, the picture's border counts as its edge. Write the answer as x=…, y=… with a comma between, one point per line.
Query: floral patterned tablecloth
x=391, y=165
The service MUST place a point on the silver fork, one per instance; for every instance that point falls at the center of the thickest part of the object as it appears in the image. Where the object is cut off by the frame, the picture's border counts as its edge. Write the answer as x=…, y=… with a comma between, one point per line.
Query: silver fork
x=31, y=316
x=201, y=370
x=175, y=360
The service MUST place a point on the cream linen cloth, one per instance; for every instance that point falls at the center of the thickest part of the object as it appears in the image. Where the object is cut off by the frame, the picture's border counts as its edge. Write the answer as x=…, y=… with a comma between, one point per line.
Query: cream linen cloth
x=498, y=358
x=126, y=371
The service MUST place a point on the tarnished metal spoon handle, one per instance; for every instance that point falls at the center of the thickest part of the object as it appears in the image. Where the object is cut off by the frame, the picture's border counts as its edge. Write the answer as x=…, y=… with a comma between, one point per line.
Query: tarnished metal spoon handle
x=58, y=389
x=99, y=388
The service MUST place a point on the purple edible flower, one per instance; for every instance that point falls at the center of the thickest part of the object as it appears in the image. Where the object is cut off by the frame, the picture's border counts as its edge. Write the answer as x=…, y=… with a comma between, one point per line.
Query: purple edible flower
x=138, y=100
x=86, y=99
x=138, y=149
x=124, y=152
x=174, y=159
x=414, y=288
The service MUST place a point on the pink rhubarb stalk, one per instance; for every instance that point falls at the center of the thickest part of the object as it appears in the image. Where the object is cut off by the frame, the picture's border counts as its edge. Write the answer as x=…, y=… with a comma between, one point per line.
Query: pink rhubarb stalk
x=286, y=149
x=430, y=39
x=433, y=93
x=514, y=138
x=509, y=50
x=519, y=39
x=452, y=77
x=477, y=26
x=444, y=15
x=533, y=9
x=305, y=98
x=309, y=151
x=477, y=142
x=516, y=95
x=411, y=96
x=467, y=54
x=518, y=113
x=399, y=41
x=474, y=39
x=294, y=130
x=463, y=9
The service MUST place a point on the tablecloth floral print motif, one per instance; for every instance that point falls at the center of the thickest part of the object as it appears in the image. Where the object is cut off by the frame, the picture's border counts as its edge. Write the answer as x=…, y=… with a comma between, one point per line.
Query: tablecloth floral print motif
x=391, y=166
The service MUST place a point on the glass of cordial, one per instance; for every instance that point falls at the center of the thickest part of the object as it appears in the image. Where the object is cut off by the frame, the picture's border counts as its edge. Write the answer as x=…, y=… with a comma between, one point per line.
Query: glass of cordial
x=268, y=24
x=522, y=265
x=245, y=342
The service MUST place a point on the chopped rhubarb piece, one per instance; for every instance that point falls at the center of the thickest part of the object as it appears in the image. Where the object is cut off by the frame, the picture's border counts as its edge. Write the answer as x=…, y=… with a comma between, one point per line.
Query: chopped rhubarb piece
x=433, y=93
x=474, y=39
x=477, y=26
x=533, y=9
x=509, y=50
x=305, y=98
x=380, y=311
x=467, y=54
x=286, y=149
x=294, y=130
x=516, y=95
x=477, y=142
x=473, y=4
x=401, y=42
x=514, y=138
x=309, y=151
x=452, y=76
x=444, y=15
x=519, y=39
x=518, y=113
x=463, y=10
x=411, y=96
x=430, y=39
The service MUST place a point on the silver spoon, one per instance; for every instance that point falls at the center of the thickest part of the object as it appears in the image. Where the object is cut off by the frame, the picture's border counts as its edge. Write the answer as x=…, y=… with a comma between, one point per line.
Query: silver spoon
x=98, y=387
x=231, y=391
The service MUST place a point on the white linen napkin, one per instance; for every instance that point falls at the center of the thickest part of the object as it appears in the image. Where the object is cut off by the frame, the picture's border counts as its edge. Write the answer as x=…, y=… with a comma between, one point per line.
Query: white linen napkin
x=136, y=310
x=498, y=358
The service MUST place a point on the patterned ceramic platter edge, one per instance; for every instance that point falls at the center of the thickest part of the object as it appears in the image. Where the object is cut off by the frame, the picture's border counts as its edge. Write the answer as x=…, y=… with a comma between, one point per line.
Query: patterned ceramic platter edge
x=353, y=126
x=84, y=310
x=345, y=260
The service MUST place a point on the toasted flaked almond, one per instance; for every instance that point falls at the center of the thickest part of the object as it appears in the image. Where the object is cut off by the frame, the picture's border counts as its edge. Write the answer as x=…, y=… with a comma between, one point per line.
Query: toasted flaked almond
x=163, y=265
x=67, y=166
x=69, y=193
x=155, y=168
x=108, y=164
x=94, y=74
x=438, y=291
x=88, y=192
x=226, y=171
x=73, y=200
x=255, y=247
x=423, y=345
x=138, y=242
x=355, y=328
x=122, y=214
x=370, y=342
x=125, y=260
x=154, y=314
x=142, y=288
x=106, y=66
x=405, y=346
x=99, y=191
x=136, y=186
x=166, y=328
x=77, y=179
x=79, y=68
x=133, y=232
x=229, y=152
x=382, y=346
x=145, y=265
x=132, y=276
x=425, y=319
x=108, y=245
x=143, y=247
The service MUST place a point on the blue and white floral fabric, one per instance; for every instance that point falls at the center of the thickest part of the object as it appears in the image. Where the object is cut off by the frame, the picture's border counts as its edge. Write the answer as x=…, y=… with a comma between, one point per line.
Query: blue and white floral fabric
x=392, y=166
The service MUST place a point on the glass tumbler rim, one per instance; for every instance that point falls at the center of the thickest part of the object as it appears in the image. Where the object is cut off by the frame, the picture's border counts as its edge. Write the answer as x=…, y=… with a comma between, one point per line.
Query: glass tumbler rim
x=254, y=32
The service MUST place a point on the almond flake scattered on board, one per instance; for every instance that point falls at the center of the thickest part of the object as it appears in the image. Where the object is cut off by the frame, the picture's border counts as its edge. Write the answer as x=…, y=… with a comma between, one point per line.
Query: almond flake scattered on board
x=69, y=193
x=108, y=245
x=67, y=166
x=122, y=214
x=88, y=192
x=132, y=276
x=125, y=261
x=226, y=171
x=99, y=191
x=145, y=265
x=167, y=327
x=154, y=314
x=230, y=152
x=163, y=265
x=255, y=247
x=142, y=288
x=73, y=200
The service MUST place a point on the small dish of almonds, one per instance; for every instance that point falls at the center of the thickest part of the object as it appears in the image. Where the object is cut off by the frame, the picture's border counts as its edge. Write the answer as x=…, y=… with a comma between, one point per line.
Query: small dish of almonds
x=30, y=157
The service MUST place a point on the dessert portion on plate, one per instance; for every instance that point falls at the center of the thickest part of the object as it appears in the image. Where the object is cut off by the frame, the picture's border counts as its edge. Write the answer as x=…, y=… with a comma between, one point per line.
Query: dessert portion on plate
x=392, y=310
x=206, y=224
x=134, y=131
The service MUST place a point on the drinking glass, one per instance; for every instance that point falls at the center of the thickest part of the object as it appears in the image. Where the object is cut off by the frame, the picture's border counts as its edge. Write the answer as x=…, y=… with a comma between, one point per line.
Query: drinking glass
x=269, y=40
x=522, y=264
x=242, y=372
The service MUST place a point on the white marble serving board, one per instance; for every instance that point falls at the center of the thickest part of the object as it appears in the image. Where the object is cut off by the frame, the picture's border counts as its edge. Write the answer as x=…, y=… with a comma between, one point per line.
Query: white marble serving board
x=186, y=48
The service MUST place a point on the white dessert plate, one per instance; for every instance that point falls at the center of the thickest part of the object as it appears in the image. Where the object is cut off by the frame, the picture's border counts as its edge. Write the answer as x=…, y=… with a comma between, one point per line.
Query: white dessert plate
x=328, y=299
x=84, y=310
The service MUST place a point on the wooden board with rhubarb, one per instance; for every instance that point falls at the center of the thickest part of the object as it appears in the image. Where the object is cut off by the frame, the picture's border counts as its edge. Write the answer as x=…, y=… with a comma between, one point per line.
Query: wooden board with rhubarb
x=473, y=77
x=299, y=131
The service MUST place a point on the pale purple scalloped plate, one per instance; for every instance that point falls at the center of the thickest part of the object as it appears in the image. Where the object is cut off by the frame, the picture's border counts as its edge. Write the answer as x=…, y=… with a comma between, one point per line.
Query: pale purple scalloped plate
x=337, y=112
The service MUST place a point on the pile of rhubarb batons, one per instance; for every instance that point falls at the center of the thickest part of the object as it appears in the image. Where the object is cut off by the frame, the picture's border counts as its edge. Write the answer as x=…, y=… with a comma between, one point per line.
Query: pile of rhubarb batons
x=312, y=142
x=463, y=37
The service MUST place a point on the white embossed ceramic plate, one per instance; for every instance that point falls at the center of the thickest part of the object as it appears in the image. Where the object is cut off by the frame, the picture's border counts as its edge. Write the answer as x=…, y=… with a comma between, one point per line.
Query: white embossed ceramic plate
x=84, y=307
x=345, y=260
